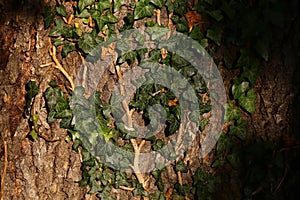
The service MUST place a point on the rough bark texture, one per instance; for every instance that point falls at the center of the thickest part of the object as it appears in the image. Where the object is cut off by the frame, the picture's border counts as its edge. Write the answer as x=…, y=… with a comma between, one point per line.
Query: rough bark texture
x=39, y=169
x=48, y=168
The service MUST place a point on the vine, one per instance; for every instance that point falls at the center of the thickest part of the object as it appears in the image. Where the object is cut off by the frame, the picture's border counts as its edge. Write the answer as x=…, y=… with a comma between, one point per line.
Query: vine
x=82, y=25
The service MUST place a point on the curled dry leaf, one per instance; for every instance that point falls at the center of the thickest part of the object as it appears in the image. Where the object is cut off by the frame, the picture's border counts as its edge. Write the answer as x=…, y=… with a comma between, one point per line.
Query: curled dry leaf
x=173, y=102
x=193, y=18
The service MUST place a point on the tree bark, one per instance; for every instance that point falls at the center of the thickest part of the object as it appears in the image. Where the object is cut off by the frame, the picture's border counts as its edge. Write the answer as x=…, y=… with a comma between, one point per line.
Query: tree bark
x=40, y=169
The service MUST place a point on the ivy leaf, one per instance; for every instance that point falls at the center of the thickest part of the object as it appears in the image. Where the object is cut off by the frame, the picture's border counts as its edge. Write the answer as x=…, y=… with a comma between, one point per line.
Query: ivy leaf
x=142, y=10
x=157, y=195
x=170, y=6
x=231, y=113
x=121, y=179
x=129, y=56
x=239, y=90
x=215, y=35
x=58, y=29
x=139, y=191
x=58, y=42
x=67, y=49
x=103, y=5
x=233, y=159
x=110, y=18
x=239, y=129
x=52, y=96
x=61, y=10
x=223, y=143
x=158, y=145
x=219, y=162
x=84, y=3
x=89, y=41
x=32, y=90
x=250, y=73
x=49, y=16
x=216, y=14
x=118, y=4
x=172, y=125
x=115, y=103
x=248, y=101
x=181, y=167
x=33, y=134
x=84, y=14
x=182, y=189
x=158, y=3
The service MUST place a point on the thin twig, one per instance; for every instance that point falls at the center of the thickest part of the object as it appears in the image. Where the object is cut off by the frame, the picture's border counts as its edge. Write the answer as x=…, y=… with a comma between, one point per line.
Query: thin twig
x=133, y=141
x=60, y=67
x=4, y=170
x=158, y=16
x=126, y=188
x=179, y=177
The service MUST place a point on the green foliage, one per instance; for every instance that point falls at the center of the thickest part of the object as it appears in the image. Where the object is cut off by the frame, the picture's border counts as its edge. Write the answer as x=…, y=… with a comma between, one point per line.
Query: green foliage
x=89, y=42
x=143, y=9
x=226, y=24
x=61, y=10
x=31, y=91
x=49, y=16
x=204, y=184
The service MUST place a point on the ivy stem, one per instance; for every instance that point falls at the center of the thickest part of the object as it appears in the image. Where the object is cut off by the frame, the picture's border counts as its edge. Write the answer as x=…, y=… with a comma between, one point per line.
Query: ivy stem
x=60, y=67
x=137, y=148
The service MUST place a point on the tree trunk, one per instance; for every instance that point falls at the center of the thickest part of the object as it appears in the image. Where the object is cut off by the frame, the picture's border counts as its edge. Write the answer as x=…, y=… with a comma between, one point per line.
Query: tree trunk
x=40, y=169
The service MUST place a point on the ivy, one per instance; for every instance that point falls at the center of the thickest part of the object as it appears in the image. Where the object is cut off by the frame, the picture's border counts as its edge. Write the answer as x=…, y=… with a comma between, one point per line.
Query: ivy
x=143, y=9
x=100, y=16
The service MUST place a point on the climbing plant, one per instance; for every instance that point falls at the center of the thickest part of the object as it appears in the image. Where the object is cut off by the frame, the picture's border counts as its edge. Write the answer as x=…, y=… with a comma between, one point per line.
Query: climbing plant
x=83, y=24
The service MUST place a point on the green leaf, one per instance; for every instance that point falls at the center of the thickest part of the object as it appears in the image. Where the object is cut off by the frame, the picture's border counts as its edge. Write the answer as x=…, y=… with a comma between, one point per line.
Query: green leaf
x=32, y=90
x=248, y=101
x=61, y=10
x=142, y=10
x=172, y=125
x=84, y=14
x=52, y=96
x=110, y=18
x=203, y=123
x=118, y=4
x=158, y=3
x=215, y=35
x=181, y=167
x=89, y=41
x=139, y=191
x=158, y=144
x=204, y=43
x=84, y=3
x=239, y=129
x=239, y=90
x=233, y=159
x=182, y=189
x=216, y=14
x=103, y=5
x=170, y=6
x=58, y=42
x=231, y=113
x=129, y=56
x=224, y=142
x=33, y=134
x=219, y=162
x=49, y=16
x=58, y=29
x=121, y=179
x=67, y=49
x=157, y=195
x=250, y=73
